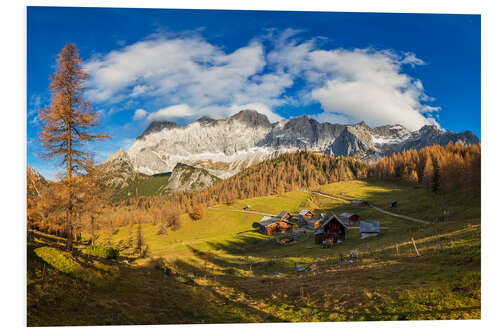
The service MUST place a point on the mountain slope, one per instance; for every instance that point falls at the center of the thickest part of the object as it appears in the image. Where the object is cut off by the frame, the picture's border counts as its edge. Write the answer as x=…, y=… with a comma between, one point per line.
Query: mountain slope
x=127, y=182
x=188, y=178
x=226, y=146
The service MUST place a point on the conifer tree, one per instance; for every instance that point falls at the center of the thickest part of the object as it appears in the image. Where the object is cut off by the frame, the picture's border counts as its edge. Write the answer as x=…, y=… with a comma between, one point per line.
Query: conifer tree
x=436, y=176
x=67, y=123
x=428, y=172
x=139, y=240
x=413, y=177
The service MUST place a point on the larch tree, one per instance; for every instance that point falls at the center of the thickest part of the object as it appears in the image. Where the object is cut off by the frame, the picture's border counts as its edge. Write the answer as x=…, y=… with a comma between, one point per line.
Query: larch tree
x=94, y=195
x=67, y=123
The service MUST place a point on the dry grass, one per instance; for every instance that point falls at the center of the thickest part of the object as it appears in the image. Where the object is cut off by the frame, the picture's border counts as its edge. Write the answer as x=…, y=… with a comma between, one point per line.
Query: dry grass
x=223, y=271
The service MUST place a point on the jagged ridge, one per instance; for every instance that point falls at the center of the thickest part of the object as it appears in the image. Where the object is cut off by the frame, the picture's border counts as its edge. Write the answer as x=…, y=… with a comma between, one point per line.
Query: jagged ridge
x=226, y=146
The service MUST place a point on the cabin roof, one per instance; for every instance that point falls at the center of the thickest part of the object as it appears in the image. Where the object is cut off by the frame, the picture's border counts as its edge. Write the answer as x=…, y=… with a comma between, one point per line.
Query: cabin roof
x=268, y=220
x=331, y=218
x=369, y=226
x=304, y=212
x=347, y=215
x=357, y=201
x=319, y=231
x=282, y=214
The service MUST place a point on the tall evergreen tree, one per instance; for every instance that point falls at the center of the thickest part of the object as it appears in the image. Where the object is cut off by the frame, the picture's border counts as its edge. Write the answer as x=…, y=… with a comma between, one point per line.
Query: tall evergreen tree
x=436, y=176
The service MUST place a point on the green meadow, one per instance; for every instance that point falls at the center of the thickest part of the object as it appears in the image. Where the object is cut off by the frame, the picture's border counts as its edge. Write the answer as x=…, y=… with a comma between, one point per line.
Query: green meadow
x=220, y=269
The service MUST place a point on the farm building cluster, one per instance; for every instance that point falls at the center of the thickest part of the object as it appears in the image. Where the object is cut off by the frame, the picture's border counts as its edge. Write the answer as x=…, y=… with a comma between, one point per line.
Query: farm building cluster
x=327, y=229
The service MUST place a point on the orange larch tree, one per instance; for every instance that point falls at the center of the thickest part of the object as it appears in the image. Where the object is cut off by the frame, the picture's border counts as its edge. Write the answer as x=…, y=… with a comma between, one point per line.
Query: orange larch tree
x=67, y=123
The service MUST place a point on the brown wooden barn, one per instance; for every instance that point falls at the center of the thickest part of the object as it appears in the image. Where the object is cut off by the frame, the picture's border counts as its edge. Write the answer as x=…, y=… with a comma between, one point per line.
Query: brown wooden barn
x=272, y=225
x=359, y=203
x=349, y=218
x=332, y=230
x=304, y=216
x=312, y=223
x=284, y=216
x=305, y=213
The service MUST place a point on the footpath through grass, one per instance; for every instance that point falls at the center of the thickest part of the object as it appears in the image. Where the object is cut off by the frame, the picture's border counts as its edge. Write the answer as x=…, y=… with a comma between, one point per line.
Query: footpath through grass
x=221, y=270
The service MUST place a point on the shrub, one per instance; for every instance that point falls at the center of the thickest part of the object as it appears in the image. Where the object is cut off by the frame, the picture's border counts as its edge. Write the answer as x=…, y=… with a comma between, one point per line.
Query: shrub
x=198, y=212
x=102, y=251
x=60, y=260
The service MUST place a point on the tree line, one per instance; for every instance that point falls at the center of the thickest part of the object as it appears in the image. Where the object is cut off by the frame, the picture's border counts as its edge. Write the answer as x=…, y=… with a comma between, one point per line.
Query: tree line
x=441, y=169
x=80, y=202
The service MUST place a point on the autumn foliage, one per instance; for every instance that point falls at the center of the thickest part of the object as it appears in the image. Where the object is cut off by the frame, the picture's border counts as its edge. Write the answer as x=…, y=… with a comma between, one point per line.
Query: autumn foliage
x=441, y=169
x=66, y=127
x=198, y=212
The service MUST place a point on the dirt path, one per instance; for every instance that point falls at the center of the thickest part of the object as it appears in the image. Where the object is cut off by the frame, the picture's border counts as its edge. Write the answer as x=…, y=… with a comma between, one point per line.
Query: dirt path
x=409, y=218
x=243, y=211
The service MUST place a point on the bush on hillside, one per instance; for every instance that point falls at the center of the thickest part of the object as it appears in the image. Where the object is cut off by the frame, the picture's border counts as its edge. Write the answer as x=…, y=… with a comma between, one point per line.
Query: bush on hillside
x=105, y=252
x=198, y=212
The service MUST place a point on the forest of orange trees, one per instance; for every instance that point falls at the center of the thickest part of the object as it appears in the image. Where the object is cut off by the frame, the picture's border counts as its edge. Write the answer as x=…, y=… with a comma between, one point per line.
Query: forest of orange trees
x=441, y=169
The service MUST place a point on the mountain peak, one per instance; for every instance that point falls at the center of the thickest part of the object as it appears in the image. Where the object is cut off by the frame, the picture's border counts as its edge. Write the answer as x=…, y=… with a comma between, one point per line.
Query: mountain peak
x=362, y=124
x=157, y=126
x=226, y=146
x=120, y=154
x=430, y=128
x=251, y=118
x=205, y=120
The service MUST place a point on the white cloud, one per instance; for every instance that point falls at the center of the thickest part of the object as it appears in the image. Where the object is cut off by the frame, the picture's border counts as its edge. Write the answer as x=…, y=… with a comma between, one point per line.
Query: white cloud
x=184, y=111
x=171, y=112
x=139, y=114
x=199, y=78
x=369, y=85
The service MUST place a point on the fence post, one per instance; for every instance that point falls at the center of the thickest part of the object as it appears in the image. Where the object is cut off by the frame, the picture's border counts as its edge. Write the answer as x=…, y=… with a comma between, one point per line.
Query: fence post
x=397, y=250
x=415, y=246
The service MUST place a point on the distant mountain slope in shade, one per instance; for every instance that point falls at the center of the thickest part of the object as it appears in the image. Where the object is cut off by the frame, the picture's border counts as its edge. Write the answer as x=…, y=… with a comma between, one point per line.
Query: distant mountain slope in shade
x=226, y=146
x=127, y=182
x=187, y=178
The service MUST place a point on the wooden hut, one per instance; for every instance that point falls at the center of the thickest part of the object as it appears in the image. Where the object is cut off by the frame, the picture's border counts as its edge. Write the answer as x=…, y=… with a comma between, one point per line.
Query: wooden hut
x=306, y=219
x=312, y=223
x=349, y=218
x=272, y=225
x=305, y=214
x=284, y=216
x=359, y=203
x=332, y=230
x=319, y=236
x=369, y=228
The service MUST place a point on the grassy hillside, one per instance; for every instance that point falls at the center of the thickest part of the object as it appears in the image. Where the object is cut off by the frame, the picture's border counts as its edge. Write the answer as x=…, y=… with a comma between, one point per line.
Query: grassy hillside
x=143, y=186
x=415, y=201
x=222, y=270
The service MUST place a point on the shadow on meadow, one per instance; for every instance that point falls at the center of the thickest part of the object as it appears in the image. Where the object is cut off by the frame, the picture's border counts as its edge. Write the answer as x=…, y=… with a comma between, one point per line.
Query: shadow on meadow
x=443, y=282
x=237, y=280
x=78, y=289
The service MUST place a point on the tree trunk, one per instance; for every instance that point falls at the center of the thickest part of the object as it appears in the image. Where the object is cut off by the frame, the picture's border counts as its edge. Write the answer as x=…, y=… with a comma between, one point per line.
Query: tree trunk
x=92, y=230
x=69, y=224
x=69, y=228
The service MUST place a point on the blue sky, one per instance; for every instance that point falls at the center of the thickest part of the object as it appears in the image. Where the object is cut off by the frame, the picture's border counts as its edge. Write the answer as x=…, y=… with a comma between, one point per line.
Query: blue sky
x=178, y=65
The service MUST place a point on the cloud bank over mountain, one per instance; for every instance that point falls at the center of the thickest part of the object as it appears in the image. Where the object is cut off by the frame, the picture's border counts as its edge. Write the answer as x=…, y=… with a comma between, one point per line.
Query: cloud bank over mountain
x=191, y=77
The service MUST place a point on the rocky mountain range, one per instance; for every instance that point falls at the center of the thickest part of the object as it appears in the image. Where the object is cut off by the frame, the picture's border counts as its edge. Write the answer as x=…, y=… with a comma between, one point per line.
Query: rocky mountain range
x=226, y=146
